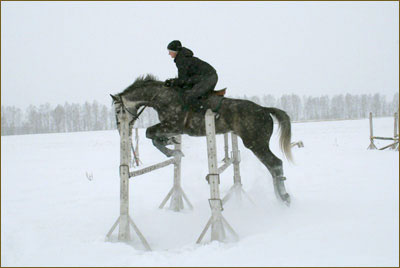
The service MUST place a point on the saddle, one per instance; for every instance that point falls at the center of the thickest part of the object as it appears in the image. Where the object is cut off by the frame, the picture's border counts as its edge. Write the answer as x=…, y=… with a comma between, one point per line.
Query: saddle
x=213, y=102
x=220, y=92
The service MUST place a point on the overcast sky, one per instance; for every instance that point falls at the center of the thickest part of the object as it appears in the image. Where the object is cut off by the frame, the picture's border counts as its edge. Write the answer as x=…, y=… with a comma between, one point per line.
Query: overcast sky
x=61, y=52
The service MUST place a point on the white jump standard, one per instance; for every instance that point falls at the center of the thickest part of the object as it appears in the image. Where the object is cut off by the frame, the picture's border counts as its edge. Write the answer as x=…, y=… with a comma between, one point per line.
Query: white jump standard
x=176, y=193
x=135, y=151
x=124, y=220
x=237, y=188
x=217, y=221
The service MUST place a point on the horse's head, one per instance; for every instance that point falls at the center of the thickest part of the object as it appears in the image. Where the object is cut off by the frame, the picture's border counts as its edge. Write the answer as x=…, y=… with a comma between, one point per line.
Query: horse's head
x=146, y=91
x=117, y=103
x=121, y=110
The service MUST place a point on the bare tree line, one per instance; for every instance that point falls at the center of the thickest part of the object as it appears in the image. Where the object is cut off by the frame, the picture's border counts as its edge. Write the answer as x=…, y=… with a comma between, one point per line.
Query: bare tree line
x=341, y=106
x=95, y=116
x=63, y=118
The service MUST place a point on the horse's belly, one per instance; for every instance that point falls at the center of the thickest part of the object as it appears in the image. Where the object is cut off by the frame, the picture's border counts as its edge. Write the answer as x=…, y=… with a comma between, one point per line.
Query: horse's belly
x=196, y=132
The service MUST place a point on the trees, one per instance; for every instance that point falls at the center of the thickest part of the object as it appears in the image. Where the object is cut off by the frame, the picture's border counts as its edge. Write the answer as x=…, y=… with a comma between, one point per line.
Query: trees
x=95, y=116
x=11, y=120
x=337, y=107
x=395, y=102
x=376, y=104
x=58, y=117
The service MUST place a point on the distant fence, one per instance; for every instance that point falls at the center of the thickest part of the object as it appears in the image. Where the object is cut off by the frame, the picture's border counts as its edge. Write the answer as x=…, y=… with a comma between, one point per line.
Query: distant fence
x=395, y=139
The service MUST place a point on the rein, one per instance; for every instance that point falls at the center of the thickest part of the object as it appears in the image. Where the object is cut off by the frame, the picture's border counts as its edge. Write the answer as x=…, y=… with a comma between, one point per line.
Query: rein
x=135, y=117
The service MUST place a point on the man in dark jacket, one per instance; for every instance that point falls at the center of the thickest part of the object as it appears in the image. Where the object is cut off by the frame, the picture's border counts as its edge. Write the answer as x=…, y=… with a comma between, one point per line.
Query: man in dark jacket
x=196, y=77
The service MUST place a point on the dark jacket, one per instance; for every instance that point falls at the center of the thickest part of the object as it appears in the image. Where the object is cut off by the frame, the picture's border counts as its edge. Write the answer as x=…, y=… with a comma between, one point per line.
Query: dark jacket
x=191, y=70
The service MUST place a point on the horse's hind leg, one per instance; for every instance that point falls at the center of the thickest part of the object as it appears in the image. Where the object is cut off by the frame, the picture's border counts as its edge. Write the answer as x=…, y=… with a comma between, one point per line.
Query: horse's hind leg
x=260, y=147
x=161, y=135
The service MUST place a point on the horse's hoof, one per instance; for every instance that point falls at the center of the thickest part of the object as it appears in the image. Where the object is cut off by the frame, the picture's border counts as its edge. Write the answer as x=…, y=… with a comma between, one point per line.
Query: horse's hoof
x=286, y=199
x=280, y=191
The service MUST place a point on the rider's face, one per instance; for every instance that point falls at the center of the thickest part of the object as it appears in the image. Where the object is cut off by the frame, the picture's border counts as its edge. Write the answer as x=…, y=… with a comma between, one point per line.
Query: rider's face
x=172, y=53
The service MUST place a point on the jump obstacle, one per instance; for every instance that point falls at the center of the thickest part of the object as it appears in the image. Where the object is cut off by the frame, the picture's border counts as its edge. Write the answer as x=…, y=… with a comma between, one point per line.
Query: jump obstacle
x=124, y=221
x=395, y=139
x=234, y=159
x=135, y=151
x=176, y=193
x=217, y=222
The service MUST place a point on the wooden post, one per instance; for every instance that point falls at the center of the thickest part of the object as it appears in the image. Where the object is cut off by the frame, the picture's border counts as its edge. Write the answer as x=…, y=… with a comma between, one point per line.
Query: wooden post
x=236, y=159
x=226, y=148
x=176, y=198
x=137, y=143
x=176, y=193
x=124, y=233
x=130, y=161
x=124, y=220
x=217, y=221
x=398, y=131
x=135, y=151
x=371, y=134
x=395, y=135
x=237, y=188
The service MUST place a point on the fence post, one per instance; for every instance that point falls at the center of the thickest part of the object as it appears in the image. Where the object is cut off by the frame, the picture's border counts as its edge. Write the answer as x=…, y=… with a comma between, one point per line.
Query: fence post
x=226, y=148
x=124, y=232
x=371, y=134
x=237, y=188
x=124, y=220
x=236, y=159
x=217, y=222
x=176, y=194
x=137, y=143
x=395, y=134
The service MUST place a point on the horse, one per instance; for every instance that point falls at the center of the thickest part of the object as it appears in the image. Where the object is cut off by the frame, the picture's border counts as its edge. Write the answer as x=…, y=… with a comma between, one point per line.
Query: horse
x=251, y=122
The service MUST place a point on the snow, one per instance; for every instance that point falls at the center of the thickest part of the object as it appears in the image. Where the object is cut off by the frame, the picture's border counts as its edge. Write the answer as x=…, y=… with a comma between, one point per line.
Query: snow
x=344, y=212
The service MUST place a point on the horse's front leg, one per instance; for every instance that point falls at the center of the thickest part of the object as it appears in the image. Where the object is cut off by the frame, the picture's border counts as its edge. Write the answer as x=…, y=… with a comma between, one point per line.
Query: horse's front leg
x=162, y=134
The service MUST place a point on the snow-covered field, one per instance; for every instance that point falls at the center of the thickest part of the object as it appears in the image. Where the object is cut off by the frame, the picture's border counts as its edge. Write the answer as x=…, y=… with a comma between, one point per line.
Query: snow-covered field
x=345, y=202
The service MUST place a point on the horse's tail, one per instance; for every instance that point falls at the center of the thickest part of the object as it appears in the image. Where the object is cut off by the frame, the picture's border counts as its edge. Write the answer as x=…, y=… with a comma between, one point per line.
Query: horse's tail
x=285, y=131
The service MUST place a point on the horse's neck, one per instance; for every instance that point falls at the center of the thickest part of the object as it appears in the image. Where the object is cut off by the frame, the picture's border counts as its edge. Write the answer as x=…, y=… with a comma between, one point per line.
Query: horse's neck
x=164, y=101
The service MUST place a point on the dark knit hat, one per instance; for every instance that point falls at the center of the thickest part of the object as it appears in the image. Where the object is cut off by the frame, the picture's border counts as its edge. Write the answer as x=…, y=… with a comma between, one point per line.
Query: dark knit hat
x=175, y=45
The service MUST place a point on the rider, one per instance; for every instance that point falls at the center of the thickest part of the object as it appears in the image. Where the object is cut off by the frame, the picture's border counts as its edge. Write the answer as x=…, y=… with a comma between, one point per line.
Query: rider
x=196, y=77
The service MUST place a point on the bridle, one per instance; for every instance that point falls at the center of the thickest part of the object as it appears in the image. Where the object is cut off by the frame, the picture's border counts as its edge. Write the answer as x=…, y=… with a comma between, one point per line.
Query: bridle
x=135, y=117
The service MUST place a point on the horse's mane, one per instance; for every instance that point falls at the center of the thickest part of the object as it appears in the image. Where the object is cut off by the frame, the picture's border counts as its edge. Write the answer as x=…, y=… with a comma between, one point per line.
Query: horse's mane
x=143, y=80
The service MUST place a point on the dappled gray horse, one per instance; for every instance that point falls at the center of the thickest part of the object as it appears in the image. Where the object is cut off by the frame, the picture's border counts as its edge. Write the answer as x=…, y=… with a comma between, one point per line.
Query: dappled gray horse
x=251, y=122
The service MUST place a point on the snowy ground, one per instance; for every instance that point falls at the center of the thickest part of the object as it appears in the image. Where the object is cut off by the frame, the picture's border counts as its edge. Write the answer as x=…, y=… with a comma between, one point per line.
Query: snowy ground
x=345, y=203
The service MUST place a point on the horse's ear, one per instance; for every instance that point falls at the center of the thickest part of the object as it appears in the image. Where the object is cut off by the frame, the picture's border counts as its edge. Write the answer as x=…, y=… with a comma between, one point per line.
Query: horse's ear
x=114, y=97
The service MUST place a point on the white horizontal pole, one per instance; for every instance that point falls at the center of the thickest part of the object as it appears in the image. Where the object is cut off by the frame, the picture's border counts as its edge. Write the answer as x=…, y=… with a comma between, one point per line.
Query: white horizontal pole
x=151, y=168
x=225, y=165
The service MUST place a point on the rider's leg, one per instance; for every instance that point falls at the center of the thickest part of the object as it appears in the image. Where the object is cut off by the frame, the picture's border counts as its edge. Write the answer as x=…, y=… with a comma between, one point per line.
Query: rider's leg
x=200, y=90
